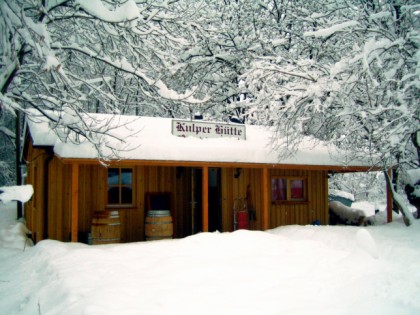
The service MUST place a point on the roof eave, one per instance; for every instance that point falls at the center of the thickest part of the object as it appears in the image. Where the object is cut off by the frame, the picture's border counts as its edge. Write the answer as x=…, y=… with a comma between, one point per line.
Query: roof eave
x=229, y=164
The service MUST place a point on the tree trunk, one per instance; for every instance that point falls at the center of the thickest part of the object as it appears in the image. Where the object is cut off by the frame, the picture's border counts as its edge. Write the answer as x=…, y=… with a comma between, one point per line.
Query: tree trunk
x=399, y=202
x=18, y=169
x=415, y=139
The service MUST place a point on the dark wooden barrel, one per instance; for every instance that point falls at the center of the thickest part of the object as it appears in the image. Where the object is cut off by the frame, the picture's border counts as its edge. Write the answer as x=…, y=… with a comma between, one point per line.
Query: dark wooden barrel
x=106, y=227
x=158, y=225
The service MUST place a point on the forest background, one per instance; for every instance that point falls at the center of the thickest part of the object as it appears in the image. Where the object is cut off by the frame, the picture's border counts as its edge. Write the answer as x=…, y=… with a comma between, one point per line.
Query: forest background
x=342, y=71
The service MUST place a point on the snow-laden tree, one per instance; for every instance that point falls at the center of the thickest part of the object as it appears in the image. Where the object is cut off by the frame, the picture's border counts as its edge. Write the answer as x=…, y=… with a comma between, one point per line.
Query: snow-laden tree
x=363, y=186
x=356, y=84
x=229, y=36
x=7, y=160
x=222, y=36
x=7, y=145
x=72, y=57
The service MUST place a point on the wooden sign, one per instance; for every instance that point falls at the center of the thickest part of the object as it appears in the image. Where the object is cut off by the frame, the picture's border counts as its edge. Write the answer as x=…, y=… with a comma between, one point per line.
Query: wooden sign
x=202, y=129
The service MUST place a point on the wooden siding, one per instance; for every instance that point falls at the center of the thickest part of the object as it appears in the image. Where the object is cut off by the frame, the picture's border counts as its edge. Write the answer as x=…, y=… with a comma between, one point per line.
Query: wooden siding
x=92, y=192
x=233, y=188
x=316, y=207
x=35, y=208
x=59, y=201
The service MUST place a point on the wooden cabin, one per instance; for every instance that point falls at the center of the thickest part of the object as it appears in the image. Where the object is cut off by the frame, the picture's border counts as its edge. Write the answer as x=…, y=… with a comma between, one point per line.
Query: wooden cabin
x=202, y=177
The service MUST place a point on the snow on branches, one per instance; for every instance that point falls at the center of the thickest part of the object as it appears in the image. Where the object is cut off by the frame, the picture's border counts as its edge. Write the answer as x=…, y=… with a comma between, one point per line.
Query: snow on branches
x=93, y=56
x=350, y=77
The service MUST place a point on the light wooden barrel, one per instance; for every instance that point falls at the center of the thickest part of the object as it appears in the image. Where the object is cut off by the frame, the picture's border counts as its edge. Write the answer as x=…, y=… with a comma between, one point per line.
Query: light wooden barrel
x=158, y=225
x=105, y=227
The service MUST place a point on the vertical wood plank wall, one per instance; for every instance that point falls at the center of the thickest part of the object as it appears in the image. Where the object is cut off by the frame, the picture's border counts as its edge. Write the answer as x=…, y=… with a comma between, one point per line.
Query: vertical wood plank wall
x=59, y=201
x=92, y=197
x=145, y=179
x=176, y=180
x=302, y=213
x=236, y=188
x=34, y=214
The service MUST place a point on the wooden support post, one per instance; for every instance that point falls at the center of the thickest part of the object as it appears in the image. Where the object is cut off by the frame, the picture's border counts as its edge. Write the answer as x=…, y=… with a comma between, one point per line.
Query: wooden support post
x=205, y=199
x=265, y=196
x=389, y=202
x=74, y=202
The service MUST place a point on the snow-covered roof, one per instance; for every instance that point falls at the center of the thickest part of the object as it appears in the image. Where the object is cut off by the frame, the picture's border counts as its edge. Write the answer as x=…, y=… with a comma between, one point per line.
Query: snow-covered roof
x=151, y=138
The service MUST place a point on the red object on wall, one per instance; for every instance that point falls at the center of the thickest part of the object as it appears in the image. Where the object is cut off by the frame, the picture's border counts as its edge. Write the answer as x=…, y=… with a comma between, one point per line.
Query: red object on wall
x=243, y=220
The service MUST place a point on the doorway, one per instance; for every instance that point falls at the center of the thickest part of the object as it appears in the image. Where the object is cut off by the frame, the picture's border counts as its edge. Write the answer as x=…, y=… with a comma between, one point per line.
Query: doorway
x=215, y=200
x=196, y=201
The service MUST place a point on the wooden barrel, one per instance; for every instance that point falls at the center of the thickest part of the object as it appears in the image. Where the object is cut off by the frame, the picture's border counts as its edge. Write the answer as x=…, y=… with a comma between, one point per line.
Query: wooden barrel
x=105, y=227
x=243, y=220
x=158, y=225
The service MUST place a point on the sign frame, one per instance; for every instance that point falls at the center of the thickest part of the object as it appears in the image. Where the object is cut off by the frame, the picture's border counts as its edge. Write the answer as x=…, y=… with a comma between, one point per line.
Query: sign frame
x=206, y=129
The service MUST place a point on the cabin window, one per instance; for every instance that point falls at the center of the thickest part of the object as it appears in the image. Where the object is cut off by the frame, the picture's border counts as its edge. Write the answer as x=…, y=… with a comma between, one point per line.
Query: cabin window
x=120, y=186
x=284, y=189
x=279, y=189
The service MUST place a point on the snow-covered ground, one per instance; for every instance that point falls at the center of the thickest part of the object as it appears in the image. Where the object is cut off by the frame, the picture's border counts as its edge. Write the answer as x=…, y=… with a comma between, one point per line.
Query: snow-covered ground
x=289, y=270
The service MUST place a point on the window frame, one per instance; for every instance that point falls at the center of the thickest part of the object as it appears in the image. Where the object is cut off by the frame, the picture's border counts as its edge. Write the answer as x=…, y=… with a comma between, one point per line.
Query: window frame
x=120, y=187
x=289, y=198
